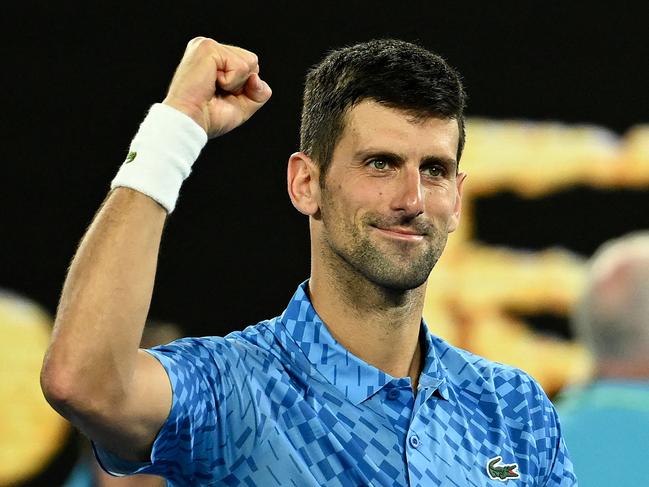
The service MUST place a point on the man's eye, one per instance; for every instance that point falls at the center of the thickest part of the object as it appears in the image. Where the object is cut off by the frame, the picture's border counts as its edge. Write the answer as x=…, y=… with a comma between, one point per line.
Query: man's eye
x=379, y=163
x=434, y=171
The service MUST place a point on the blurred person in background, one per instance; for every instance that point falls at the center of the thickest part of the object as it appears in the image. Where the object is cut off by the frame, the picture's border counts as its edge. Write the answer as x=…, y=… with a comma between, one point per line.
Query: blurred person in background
x=606, y=421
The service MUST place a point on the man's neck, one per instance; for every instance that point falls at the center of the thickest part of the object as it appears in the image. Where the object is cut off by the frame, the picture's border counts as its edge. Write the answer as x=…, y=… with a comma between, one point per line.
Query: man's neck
x=376, y=325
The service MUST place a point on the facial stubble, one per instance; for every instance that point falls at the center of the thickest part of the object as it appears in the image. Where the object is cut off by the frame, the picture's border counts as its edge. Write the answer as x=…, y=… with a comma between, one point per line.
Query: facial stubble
x=392, y=265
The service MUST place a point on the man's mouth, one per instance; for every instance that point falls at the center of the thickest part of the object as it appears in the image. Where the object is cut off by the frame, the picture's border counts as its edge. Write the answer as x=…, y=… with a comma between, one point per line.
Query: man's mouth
x=401, y=233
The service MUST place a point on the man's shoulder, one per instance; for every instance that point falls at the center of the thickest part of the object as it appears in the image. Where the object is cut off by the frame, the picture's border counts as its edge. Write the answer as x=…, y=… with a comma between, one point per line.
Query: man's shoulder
x=473, y=374
x=252, y=345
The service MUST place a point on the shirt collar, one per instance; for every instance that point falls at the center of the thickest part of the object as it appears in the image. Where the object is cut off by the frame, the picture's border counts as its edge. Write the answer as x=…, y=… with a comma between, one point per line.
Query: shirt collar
x=327, y=359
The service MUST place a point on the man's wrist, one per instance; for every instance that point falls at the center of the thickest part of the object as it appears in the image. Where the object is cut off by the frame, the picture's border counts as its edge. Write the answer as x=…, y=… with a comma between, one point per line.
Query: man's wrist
x=194, y=112
x=161, y=155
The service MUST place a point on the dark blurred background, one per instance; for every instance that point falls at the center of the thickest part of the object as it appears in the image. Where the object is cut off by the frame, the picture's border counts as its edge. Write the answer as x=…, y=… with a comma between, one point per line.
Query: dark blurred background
x=78, y=78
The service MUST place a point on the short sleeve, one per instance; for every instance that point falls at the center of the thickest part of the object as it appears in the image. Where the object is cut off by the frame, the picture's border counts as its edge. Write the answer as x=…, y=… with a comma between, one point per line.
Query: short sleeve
x=556, y=469
x=561, y=473
x=207, y=429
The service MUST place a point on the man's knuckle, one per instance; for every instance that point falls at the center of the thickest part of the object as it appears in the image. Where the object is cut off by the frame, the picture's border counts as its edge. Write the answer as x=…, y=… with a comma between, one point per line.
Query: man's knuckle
x=195, y=40
x=204, y=43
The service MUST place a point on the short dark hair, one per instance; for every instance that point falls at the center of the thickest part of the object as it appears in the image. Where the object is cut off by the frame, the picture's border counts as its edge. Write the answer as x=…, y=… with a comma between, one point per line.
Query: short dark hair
x=392, y=72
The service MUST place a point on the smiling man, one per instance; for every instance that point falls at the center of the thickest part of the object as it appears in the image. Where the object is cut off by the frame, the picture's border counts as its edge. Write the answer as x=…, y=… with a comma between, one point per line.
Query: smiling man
x=346, y=387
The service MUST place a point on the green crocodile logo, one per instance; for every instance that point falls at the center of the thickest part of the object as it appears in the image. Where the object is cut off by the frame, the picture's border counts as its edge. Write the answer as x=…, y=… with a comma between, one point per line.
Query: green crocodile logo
x=130, y=157
x=502, y=472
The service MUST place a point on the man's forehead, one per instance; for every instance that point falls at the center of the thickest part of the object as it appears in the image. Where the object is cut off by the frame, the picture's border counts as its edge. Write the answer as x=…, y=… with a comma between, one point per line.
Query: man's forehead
x=370, y=123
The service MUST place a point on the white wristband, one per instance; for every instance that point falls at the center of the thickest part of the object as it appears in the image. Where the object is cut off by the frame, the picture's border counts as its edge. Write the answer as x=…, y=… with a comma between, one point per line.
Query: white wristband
x=161, y=155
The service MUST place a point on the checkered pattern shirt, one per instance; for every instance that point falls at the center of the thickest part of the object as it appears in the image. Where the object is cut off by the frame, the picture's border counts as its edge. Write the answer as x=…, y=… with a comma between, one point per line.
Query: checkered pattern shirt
x=282, y=403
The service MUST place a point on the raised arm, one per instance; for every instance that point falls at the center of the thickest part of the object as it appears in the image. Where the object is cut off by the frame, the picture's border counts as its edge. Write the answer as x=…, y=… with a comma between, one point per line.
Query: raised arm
x=93, y=373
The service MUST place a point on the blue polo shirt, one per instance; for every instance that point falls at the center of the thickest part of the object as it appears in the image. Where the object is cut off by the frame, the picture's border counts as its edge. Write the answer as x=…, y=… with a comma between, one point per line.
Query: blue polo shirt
x=282, y=403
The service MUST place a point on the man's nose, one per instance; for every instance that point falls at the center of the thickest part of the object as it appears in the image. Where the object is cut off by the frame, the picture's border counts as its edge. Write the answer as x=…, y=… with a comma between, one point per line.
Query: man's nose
x=408, y=194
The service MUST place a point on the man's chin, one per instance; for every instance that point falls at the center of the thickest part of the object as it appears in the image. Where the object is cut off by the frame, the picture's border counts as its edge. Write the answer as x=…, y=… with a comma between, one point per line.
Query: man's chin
x=399, y=282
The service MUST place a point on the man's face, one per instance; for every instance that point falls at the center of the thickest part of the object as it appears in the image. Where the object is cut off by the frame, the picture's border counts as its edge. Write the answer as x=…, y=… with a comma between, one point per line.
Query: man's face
x=391, y=195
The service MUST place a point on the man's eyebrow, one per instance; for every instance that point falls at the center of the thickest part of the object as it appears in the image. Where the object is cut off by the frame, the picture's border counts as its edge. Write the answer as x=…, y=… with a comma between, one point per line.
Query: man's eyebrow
x=375, y=152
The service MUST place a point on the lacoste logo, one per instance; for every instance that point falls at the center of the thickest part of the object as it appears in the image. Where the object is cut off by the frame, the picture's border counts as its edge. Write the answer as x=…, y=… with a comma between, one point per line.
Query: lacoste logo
x=502, y=472
x=130, y=157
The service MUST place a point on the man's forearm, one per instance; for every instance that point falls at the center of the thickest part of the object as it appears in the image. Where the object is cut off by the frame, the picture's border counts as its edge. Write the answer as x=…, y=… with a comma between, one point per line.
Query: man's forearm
x=104, y=303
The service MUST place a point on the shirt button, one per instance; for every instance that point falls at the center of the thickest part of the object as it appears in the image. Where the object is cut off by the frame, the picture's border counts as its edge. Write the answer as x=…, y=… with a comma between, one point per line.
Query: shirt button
x=414, y=441
x=393, y=393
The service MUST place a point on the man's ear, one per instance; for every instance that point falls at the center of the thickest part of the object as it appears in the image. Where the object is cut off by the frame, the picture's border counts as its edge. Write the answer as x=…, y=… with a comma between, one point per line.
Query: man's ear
x=302, y=178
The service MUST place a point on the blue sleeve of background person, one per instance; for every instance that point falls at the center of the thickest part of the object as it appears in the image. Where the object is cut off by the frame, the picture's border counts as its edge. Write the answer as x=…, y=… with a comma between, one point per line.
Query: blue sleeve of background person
x=211, y=425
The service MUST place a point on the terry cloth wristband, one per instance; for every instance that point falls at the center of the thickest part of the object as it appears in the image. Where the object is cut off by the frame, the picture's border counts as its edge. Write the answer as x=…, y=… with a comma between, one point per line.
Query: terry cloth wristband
x=161, y=155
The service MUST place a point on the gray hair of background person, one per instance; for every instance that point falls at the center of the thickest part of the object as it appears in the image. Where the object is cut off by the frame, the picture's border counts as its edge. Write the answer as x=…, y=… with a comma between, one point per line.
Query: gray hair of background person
x=612, y=316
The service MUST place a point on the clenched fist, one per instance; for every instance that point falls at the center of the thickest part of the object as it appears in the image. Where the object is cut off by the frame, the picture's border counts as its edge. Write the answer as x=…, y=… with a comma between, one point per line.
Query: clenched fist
x=217, y=85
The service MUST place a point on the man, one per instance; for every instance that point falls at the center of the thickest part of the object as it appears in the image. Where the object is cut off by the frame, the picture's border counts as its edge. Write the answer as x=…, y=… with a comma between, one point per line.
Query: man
x=606, y=422
x=346, y=387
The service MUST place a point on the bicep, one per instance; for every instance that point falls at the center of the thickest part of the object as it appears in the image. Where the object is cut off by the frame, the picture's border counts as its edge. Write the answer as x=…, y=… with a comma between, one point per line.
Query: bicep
x=129, y=429
x=180, y=420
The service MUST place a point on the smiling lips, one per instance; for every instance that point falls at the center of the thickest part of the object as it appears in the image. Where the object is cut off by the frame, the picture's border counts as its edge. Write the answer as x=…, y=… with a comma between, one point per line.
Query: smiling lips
x=406, y=234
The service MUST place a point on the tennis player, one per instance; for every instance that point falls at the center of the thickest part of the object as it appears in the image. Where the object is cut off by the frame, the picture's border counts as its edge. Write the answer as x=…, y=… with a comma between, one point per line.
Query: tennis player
x=346, y=387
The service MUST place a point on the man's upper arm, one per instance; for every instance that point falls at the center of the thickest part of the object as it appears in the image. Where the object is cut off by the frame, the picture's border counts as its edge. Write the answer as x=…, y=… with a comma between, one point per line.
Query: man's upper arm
x=129, y=429
x=203, y=429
